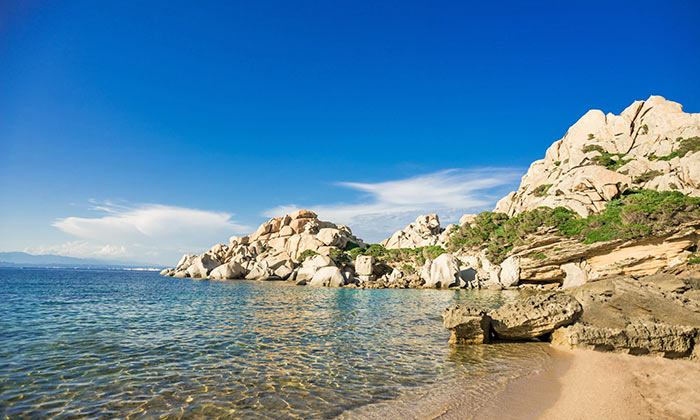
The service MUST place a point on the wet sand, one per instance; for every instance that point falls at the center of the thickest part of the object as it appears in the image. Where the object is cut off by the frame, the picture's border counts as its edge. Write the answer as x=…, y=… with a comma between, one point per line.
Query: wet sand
x=581, y=385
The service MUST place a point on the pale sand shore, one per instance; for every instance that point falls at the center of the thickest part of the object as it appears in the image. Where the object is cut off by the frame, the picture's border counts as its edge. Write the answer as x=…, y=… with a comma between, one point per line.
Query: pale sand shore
x=582, y=385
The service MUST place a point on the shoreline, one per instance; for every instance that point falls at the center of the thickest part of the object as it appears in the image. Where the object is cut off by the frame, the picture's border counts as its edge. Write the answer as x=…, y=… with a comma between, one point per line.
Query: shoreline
x=585, y=384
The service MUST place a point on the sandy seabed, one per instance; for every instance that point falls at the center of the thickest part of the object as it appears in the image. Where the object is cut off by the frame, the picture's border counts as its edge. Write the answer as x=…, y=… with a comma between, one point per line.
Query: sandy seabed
x=583, y=384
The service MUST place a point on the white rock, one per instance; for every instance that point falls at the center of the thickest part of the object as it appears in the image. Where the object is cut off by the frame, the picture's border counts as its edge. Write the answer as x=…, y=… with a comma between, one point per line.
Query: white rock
x=510, y=271
x=364, y=265
x=576, y=274
x=332, y=237
x=445, y=273
x=202, y=265
x=231, y=270
x=425, y=231
x=328, y=276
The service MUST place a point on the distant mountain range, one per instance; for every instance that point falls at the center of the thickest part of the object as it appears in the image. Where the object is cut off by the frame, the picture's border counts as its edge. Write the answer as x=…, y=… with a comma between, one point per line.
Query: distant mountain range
x=22, y=259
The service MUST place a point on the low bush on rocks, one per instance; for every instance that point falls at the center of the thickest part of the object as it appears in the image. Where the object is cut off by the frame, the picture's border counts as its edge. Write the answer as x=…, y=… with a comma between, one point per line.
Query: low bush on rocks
x=689, y=145
x=306, y=254
x=415, y=256
x=612, y=161
x=634, y=215
x=646, y=176
x=541, y=190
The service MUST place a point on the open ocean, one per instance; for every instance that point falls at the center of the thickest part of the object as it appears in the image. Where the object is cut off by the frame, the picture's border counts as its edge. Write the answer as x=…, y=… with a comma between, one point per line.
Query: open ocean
x=124, y=344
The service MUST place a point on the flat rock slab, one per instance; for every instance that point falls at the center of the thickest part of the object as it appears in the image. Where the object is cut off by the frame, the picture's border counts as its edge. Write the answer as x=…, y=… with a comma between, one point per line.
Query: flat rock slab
x=534, y=316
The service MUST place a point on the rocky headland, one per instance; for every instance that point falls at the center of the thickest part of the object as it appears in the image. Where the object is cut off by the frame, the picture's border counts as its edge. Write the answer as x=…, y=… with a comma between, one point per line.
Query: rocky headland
x=601, y=237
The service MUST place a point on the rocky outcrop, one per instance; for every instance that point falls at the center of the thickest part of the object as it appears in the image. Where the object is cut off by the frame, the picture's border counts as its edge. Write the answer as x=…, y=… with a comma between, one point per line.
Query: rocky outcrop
x=651, y=315
x=534, y=316
x=569, y=262
x=603, y=155
x=425, y=231
x=467, y=325
x=271, y=252
x=655, y=315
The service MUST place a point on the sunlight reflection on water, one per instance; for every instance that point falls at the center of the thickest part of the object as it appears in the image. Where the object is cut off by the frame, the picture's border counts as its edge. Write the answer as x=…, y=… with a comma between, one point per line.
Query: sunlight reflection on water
x=101, y=343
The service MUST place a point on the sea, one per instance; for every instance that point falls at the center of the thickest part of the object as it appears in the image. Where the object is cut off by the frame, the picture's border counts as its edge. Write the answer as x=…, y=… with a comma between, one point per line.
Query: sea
x=133, y=344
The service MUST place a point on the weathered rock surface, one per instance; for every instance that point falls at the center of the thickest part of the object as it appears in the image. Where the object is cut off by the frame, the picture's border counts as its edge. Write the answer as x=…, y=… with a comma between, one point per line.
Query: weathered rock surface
x=653, y=315
x=570, y=262
x=424, y=231
x=571, y=174
x=364, y=265
x=230, y=270
x=467, y=325
x=444, y=272
x=329, y=277
x=534, y=316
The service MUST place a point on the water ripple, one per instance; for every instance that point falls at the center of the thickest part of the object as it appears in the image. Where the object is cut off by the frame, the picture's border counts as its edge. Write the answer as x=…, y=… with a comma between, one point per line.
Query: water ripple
x=95, y=344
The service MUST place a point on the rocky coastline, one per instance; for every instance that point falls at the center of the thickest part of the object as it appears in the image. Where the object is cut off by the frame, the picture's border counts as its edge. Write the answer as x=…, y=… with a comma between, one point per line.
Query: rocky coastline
x=601, y=237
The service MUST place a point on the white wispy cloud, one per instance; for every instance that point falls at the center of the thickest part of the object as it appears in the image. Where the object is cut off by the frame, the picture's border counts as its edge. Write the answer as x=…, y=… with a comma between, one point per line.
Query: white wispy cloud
x=384, y=207
x=151, y=232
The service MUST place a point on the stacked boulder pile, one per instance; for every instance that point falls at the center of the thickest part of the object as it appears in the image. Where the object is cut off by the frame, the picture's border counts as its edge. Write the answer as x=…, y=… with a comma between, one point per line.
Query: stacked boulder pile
x=274, y=252
x=425, y=231
x=301, y=248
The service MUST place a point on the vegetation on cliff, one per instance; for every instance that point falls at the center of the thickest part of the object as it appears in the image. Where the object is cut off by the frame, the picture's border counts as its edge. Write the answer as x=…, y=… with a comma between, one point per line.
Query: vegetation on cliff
x=633, y=215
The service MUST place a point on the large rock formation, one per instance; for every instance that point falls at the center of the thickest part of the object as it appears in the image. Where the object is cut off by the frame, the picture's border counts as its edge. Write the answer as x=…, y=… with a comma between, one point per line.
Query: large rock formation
x=657, y=315
x=272, y=251
x=603, y=155
x=569, y=262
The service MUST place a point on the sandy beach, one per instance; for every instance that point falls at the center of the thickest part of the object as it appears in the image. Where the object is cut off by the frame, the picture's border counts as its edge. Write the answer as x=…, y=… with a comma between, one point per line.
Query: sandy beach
x=581, y=385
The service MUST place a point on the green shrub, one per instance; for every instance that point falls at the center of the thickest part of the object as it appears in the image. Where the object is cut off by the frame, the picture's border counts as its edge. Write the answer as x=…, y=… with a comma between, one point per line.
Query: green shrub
x=636, y=214
x=612, y=161
x=593, y=147
x=338, y=256
x=350, y=246
x=433, y=251
x=541, y=190
x=557, y=163
x=408, y=268
x=646, y=176
x=689, y=145
x=538, y=256
x=306, y=254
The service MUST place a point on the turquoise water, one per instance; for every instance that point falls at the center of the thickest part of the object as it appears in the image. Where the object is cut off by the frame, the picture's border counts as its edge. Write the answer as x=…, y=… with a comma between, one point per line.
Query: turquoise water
x=96, y=344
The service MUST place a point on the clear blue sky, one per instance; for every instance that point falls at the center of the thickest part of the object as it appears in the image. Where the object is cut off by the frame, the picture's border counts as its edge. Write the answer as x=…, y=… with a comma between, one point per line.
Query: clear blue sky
x=127, y=125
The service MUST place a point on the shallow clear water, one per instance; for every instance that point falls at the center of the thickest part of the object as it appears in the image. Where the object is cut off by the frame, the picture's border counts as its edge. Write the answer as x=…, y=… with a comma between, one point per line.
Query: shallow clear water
x=135, y=344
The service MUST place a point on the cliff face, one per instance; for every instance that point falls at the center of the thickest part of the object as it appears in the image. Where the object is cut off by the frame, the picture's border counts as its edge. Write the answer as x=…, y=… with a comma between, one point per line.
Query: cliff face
x=652, y=144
